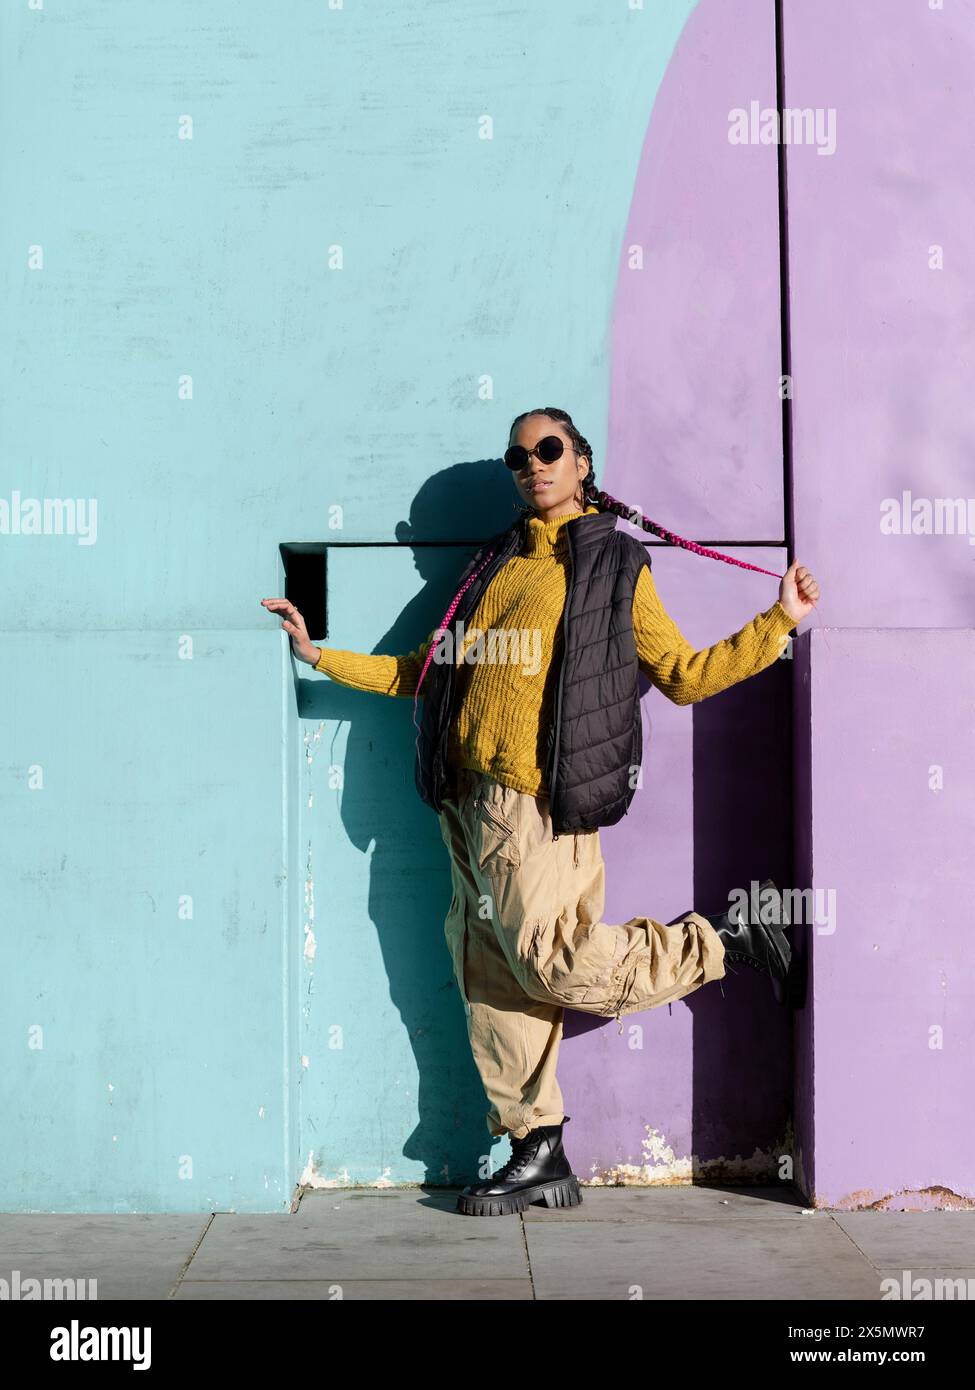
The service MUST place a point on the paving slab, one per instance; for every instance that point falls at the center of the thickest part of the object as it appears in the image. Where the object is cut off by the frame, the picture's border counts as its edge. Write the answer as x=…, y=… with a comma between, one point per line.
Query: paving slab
x=937, y=1284
x=674, y=1204
x=137, y=1256
x=410, y=1244
x=58, y=1234
x=733, y=1258
x=348, y=1235
x=918, y=1240
x=396, y=1290
x=139, y=1274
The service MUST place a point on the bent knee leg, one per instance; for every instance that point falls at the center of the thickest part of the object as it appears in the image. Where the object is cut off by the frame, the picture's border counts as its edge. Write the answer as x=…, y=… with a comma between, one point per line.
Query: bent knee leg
x=582, y=973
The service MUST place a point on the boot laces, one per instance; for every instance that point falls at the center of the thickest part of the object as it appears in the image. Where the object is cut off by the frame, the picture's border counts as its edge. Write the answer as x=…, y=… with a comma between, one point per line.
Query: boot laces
x=739, y=955
x=521, y=1151
x=750, y=960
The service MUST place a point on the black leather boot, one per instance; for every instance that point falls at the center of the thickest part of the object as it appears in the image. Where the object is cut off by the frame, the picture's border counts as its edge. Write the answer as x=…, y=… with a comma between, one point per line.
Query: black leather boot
x=761, y=944
x=537, y=1171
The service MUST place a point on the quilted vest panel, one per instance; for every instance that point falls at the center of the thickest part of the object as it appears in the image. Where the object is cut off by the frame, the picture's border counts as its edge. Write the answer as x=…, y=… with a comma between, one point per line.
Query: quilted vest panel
x=594, y=743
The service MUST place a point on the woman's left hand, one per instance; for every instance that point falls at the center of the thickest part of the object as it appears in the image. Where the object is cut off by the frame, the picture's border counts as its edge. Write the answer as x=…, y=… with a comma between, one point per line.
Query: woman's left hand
x=798, y=591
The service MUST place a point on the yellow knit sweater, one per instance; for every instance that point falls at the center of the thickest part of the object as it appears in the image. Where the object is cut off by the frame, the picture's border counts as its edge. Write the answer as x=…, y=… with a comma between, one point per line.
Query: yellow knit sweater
x=504, y=706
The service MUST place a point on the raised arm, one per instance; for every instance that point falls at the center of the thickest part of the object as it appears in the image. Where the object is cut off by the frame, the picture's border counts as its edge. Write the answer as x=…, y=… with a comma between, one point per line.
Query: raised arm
x=685, y=675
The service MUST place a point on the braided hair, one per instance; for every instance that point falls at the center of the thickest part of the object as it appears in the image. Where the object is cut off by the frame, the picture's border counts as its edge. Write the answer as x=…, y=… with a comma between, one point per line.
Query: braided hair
x=591, y=495
x=594, y=496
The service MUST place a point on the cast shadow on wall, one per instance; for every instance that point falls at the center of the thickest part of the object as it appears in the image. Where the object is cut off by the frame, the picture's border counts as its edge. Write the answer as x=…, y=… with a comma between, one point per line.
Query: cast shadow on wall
x=741, y=822
x=409, y=890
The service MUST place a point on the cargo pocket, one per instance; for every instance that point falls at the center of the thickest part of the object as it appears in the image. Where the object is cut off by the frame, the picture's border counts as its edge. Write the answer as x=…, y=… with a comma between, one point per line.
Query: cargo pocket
x=497, y=848
x=604, y=962
x=583, y=973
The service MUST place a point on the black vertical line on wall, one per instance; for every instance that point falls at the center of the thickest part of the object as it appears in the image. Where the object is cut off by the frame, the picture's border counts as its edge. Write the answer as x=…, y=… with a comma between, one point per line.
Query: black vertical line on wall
x=789, y=778
x=785, y=323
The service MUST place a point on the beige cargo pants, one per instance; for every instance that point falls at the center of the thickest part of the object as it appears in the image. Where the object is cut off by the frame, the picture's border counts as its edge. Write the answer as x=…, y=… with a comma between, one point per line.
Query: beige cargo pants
x=526, y=936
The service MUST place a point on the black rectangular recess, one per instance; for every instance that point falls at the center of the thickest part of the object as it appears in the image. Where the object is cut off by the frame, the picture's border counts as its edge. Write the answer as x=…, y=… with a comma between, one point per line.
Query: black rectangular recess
x=306, y=583
x=306, y=569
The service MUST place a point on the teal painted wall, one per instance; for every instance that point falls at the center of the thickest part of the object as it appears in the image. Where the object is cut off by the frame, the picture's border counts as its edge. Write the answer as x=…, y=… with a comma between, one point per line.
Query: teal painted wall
x=181, y=347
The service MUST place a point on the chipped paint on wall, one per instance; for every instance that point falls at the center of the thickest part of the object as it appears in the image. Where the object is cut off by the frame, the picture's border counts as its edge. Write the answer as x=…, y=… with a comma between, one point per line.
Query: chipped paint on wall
x=907, y=1199
x=311, y=742
x=312, y=1178
x=310, y=944
x=662, y=1167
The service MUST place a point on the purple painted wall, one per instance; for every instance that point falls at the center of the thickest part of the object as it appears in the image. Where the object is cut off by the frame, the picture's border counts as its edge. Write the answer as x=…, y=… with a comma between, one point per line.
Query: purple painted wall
x=695, y=432
x=883, y=406
x=840, y=750
x=702, y=1087
x=884, y=1100
x=883, y=344
x=695, y=441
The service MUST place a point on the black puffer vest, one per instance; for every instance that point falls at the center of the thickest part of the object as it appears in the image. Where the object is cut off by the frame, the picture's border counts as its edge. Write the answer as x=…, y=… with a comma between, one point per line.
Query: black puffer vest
x=595, y=741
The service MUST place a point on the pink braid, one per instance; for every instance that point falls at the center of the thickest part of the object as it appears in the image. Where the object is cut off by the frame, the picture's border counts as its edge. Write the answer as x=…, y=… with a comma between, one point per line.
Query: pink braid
x=443, y=628
x=613, y=504
x=609, y=503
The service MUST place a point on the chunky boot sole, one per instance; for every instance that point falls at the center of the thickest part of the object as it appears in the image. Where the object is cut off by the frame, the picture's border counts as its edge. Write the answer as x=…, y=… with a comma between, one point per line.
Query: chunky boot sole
x=560, y=1192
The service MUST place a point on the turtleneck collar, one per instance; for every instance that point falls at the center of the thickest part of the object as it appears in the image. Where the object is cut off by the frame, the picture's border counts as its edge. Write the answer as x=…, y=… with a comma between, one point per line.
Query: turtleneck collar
x=546, y=537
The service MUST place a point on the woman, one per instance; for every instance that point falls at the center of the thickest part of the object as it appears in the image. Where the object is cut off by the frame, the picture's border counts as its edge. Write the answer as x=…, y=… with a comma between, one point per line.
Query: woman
x=531, y=739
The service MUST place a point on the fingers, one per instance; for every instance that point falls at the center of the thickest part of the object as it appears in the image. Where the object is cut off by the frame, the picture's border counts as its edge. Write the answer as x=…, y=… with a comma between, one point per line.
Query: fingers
x=293, y=623
x=281, y=605
x=806, y=584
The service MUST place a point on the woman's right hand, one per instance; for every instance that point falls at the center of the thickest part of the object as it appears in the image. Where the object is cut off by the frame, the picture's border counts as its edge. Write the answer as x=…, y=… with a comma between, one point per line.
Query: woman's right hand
x=294, y=624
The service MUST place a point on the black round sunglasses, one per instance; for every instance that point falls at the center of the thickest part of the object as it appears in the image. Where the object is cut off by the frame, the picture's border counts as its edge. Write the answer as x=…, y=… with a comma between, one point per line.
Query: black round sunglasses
x=548, y=450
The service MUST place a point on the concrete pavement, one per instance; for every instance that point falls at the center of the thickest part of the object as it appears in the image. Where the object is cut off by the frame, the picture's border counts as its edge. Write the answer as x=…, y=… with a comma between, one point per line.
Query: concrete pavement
x=409, y=1243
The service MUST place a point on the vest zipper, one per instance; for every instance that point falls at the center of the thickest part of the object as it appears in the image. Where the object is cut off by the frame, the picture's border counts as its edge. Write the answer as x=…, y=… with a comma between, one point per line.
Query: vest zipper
x=565, y=652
